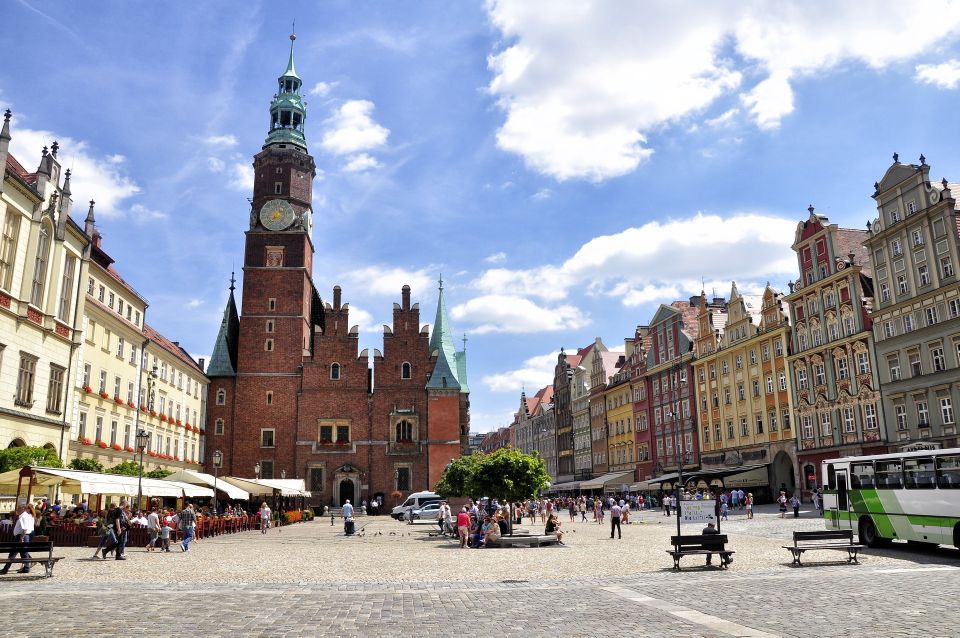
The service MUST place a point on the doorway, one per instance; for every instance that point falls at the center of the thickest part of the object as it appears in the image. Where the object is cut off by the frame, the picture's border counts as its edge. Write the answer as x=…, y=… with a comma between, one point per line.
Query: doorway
x=346, y=492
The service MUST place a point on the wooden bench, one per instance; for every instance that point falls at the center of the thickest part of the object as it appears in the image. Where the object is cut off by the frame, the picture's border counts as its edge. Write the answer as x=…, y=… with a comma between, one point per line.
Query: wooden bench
x=699, y=544
x=33, y=548
x=841, y=539
x=530, y=540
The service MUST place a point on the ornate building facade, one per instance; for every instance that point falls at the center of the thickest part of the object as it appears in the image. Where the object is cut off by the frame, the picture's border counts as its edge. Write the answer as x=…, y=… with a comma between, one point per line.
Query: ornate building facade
x=835, y=386
x=913, y=245
x=291, y=393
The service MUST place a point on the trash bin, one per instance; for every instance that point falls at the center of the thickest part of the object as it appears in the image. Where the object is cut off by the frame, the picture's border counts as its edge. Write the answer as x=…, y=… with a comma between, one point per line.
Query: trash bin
x=348, y=527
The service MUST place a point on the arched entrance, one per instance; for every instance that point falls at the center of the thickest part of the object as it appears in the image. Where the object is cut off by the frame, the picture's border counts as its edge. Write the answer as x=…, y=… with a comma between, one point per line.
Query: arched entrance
x=346, y=491
x=783, y=473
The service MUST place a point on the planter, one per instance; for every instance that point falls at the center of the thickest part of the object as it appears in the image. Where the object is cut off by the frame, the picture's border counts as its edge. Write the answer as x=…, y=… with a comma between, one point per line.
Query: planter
x=102, y=445
x=104, y=395
x=85, y=441
x=117, y=447
x=88, y=389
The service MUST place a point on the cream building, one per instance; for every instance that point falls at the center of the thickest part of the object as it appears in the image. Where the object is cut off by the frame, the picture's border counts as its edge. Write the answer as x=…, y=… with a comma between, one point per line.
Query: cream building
x=132, y=378
x=41, y=266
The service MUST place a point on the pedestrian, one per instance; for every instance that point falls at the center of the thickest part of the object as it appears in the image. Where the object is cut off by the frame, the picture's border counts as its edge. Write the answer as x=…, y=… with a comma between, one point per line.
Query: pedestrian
x=119, y=523
x=463, y=526
x=725, y=558
x=153, y=530
x=750, y=505
x=188, y=521
x=782, y=500
x=583, y=510
x=165, y=531
x=615, y=521
x=816, y=500
x=666, y=505
x=723, y=511
x=795, y=504
x=24, y=530
x=265, y=517
x=741, y=498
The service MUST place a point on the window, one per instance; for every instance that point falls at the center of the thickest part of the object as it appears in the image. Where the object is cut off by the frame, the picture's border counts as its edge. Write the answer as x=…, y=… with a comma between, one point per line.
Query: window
x=316, y=479
x=923, y=274
x=782, y=380
x=739, y=361
x=725, y=367
x=113, y=432
x=86, y=374
x=849, y=425
x=25, y=378
x=902, y=284
x=769, y=384
x=740, y=393
x=266, y=437
x=120, y=307
x=786, y=418
x=900, y=411
x=817, y=337
x=948, y=469
x=923, y=412
x=773, y=420
x=954, y=308
x=120, y=347
x=917, y=237
x=403, y=478
x=268, y=345
x=403, y=431
x=129, y=314
x=136, y=315
x=765, y=351
x=801, y=379
x=110, y=301
x=106, y=340
x=946, y=410
x=130, y=392
x=726, y=396
x=713, y=371
x=919, y=474
x=843, y=369
x=716, y=432
x=884, y=291
x=270, y=325
x=66, y=289
x=908, y=324
x=889, y=474
x=269, y=397
x=101, y=293
x=706, y=434
x=103, y=381
x=807, y=427
x=8, y=248
x=221, y=397
x=744, y=429
x=55, y=389
x=335, y=371
x=863, y=362
x=939, y=361
x=911, y=207
x=82, y=425
x=896, y=249
x=343, y=433
x=729, y=429
x=826, y=425
x=759, y=423
x=116, y=386
x=819, y=374
x=931, y=314
x=278, y=188
x=778, y=348
x=916, y=367
x=888, y=330
x=40, y=267
x=405, y=370
x=870, y=412
x=266, y=469
x=271, y=304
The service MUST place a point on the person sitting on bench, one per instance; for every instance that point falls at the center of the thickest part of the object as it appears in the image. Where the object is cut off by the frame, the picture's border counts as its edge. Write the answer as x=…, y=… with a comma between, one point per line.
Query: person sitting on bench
x=725, y=558
x=553, y=527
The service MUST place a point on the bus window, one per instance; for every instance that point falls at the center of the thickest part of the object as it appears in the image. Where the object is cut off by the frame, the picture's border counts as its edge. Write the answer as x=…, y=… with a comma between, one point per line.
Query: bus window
x=889, y=474
x=861, y=475
x=842, y=492
x=948, y=470
x=918, y=474
x=831, y=477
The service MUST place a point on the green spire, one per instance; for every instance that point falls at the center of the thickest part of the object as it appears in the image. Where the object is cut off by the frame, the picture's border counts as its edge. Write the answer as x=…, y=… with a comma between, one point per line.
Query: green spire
x=223, y=361
x=288, y=113
x=441, y=341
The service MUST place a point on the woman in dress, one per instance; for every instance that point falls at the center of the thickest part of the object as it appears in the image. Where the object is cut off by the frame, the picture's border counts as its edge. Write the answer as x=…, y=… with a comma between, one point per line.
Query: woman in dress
x=750, y=505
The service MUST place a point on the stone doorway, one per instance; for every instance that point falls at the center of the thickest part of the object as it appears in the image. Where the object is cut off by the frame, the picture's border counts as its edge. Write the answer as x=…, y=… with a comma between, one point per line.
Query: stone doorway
x=346, y=492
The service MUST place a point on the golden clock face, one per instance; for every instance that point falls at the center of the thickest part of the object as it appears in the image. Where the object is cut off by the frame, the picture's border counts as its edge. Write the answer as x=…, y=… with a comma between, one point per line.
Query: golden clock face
x=277, y=214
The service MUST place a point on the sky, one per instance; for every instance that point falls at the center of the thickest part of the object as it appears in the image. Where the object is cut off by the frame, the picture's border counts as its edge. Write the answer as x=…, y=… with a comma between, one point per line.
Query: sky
x=566, y=166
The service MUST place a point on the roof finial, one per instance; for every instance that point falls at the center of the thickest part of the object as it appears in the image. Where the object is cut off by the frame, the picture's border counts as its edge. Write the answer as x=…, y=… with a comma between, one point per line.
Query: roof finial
x=233, y=281
x=896, y=158
x=464, y=342
x=441, y=281
x=923, y=160
x=810, y=209
x=54, y=148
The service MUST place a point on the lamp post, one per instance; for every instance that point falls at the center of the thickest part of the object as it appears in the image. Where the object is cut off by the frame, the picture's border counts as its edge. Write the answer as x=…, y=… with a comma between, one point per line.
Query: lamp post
x=143, y=437
x=256, y=470
x=217, y=460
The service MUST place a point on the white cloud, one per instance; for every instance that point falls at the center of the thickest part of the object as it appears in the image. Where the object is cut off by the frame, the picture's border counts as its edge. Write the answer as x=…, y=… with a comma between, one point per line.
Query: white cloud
x=533, y=374
x=516, y=314
x=380, y=280
x=194, y=303
x=496, y=258
x=481, y=422
x=140, y=213
x=220, y=140
x=101, y=178
x=320, y=89
x=724, y=119
x=215, y=164
x=659, y=260
x=360, y=163
x=364, y=321
x=351, y=129
x=240, y=176
x=945, y=75
x=542, y=194
x=582, y=84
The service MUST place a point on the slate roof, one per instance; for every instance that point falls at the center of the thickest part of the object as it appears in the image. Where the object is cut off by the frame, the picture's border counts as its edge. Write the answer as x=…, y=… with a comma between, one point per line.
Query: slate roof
x=223, y=361
x=150, y=333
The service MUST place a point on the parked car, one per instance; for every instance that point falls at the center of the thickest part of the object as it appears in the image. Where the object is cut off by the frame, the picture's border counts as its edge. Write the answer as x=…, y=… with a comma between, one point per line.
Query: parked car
x=429, y=512
x=414, y=501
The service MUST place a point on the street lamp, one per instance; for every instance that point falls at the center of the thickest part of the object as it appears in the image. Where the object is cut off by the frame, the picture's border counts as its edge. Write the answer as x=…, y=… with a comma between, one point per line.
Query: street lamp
x=217, y=460
x=256, y=470
x=142, y=439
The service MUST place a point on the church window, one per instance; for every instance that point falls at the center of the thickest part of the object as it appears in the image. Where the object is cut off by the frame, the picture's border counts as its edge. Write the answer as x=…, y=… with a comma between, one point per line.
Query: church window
x=221, y=397
x=269, y=398
x=266, y=437
x=218, y=426
x=402, y=476
x=404, y=431
x=335, y=371
x=268, y=345
x=405, y=370
x=40, y=267
x=8, y=248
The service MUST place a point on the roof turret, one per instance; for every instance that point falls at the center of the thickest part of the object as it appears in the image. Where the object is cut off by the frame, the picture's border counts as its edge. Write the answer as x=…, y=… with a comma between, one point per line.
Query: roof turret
x=288, y=112
x=223, y=361
x=441, y=341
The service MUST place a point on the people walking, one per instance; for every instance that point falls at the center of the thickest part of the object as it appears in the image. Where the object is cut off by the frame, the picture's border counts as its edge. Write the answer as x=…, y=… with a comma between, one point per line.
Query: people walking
x=615, y=521
x=265, y=517
x=750, y=505
x=463, y=526
x=153, y=530
x=782, y=500
x=23, y=530
x=795, y=504
x=188, y=521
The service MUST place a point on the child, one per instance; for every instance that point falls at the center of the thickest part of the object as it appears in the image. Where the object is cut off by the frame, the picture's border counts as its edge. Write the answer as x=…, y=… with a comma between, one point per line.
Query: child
x=723, y=511
x=165, y=538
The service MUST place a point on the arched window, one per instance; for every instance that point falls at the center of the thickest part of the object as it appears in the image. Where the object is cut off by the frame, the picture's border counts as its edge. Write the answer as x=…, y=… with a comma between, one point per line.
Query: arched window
x=405, y=370
x=404, y=431
x=334, y=371
x=218, y=426
x=40, y=267
x=221, y=397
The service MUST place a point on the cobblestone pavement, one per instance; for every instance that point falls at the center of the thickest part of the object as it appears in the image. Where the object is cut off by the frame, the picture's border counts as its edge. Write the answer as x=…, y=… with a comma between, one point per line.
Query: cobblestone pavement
x=282, y=584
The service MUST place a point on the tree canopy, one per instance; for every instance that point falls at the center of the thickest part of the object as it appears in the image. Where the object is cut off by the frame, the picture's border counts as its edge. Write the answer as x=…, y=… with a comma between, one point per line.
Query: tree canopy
x=506, y=474
x=127, y=468
x=88, y=465
x=13, y=458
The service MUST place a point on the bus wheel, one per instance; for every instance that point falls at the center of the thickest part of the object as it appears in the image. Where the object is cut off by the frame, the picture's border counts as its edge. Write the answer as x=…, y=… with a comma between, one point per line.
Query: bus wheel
x=868, y=534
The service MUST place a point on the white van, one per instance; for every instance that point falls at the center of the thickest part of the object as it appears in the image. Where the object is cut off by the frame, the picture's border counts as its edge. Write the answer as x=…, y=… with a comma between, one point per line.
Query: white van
x=414, y=501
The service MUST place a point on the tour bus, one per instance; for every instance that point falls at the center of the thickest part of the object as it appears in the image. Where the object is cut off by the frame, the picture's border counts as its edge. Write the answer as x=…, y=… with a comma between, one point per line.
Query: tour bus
x=911, y=496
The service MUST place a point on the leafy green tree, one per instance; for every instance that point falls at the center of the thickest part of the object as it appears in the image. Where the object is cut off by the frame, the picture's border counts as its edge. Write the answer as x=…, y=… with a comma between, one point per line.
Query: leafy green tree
x=88, y=465
x=14, y=458
x=127, y=468
x=158, y=473
x=457, y=476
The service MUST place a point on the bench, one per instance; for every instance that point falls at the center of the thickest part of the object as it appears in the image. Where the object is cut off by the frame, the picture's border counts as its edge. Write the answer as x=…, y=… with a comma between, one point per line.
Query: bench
x=841, y=539
x=33, y=548
x=530, y=540
x=699, y=544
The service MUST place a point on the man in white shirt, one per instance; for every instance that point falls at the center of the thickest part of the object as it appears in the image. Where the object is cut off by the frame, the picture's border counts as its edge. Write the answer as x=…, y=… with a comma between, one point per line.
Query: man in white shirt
x=153, y=529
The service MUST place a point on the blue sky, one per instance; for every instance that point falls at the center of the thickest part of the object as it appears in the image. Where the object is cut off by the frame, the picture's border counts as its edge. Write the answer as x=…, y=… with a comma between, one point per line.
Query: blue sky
x=566, y=166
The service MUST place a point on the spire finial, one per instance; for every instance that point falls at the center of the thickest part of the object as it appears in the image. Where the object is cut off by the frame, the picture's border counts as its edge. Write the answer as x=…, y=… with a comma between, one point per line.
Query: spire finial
x=441, y=281
x=923, y=160
x=7, y=115
x=233, y=281
x=810, y=209
x=55, y=148
x=464, y=341
x=896, y=158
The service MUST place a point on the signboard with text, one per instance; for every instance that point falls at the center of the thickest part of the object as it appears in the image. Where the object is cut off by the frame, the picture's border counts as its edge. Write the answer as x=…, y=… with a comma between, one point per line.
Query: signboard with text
x=700, y=512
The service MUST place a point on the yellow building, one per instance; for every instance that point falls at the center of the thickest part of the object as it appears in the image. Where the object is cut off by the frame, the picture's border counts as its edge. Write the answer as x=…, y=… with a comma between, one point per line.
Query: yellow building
x=132, y=378
x=41, y=266
x=621, y=455
x=743, y=393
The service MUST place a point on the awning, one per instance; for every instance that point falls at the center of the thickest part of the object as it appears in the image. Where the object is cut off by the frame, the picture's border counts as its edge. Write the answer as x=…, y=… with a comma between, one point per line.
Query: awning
x=261, y=487
x=80, y=482
x=720, y=473
x=565, y=487
x=207, y=480
x=612, y=478
x=643, y=486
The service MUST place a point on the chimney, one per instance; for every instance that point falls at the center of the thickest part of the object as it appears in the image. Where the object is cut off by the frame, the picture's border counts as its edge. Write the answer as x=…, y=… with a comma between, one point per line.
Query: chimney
x=695, y=301
x=336, y=297
x=202, y=363
x=405, y=293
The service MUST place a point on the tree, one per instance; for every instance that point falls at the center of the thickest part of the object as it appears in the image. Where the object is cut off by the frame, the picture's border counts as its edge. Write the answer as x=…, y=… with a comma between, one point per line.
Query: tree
x=87, y=465
x=14, y=458
x=158, y=473
x=457, y=476
x=127, y=468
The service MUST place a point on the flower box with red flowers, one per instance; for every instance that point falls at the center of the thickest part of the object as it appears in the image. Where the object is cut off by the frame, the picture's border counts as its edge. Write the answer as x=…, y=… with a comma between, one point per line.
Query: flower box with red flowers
x=117, y=447
x=343, y=443
x=118, y=400
x=85, y=441
x=151, y=453
x=153, y=413
x=163, y=417
x=88, y=389
x=104, y=395
x=176, y=458
x=129, y=448
x=102, y=445
x=326, y=442
x=131, y=405
x=179, y=422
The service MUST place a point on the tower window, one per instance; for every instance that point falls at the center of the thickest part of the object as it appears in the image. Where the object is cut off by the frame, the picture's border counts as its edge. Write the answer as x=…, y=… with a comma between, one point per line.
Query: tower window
x=221, y=397
x=271, y=303
x=405, y=370
x=335, y=371
x=268, y=345
x=279, y=171
x=218, y=426
x=278, y=188
x=270, y=325
x=269, y=397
